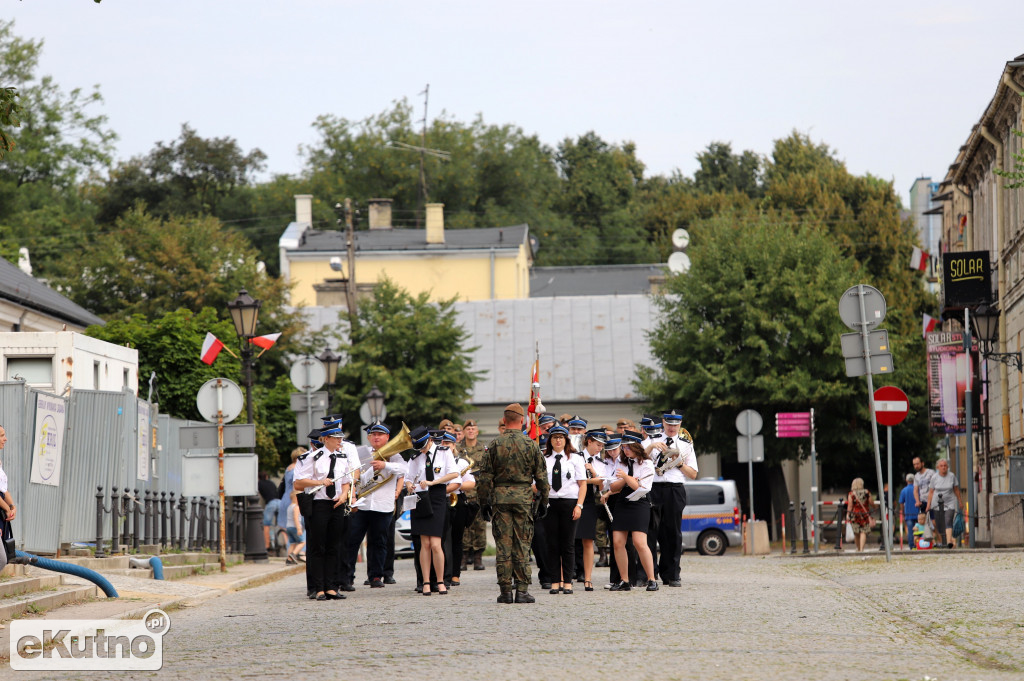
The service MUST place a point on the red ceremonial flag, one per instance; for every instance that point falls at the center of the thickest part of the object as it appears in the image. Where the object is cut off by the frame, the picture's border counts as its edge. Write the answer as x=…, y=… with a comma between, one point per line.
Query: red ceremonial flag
x=929, y=324
x=918, y=259
x=211, y=348
x=534, y=380
x=265, y=342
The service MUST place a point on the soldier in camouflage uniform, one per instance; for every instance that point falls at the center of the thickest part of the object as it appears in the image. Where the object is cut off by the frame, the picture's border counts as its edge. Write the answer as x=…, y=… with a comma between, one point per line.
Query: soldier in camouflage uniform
x=508, y=469
x=474, y=539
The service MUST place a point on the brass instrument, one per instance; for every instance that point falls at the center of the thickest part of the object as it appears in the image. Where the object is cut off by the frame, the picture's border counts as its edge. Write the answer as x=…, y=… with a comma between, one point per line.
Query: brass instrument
x=372, y=485
x=453, y=498
x=673, y=459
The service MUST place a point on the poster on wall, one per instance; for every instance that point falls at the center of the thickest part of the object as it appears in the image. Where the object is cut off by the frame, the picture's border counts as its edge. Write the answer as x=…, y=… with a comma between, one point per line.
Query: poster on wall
x=948, y=370
x=142, y=465
x=48, y=440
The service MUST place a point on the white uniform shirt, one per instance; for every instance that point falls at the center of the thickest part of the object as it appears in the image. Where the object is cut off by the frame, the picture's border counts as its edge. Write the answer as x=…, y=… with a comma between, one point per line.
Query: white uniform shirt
x=382, y=499
x=643, y=471
x=685, y=449
x=572, y=473
x=461, y=463
x=3, y=480
x=315, y=467
x=442, y=461
x=605, y=469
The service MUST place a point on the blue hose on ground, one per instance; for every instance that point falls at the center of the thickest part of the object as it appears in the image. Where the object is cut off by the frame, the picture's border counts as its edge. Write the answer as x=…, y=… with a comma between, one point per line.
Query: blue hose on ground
x=70, y=569
x=158, y=567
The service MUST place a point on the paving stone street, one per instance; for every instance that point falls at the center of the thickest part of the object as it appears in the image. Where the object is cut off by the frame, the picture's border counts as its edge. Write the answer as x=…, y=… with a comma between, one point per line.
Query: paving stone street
x=930, y=616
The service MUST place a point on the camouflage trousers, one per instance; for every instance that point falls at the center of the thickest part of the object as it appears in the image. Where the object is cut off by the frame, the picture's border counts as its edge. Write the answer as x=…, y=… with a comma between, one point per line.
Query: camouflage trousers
x=602, y=529
x=474, y=538
x=512, y=527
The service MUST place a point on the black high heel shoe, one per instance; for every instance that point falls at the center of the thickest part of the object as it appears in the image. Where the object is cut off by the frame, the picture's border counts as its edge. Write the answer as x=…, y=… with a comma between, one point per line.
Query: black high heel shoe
x=588, y=586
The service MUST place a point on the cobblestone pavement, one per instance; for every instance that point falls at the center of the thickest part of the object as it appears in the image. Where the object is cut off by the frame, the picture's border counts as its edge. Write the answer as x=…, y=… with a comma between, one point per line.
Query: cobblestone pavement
x=937, y=617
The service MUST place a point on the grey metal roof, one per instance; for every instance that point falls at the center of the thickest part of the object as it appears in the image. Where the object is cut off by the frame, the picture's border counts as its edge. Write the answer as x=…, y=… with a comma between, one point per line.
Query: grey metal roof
x=589, y=346
x=594, y=280
x=25, y=290
x=414, y=239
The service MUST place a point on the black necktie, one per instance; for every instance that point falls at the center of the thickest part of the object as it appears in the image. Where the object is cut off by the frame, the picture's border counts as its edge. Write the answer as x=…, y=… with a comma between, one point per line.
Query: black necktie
x=661, y=455
x=630, y=465
x=430, y=468
x=590, y=460
x=556, y=473
x=330, y=474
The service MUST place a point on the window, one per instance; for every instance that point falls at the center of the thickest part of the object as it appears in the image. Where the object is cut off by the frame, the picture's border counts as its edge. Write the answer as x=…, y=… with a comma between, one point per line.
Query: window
x=95, y=375
x=36, y=371
x=704, y=495
x=124, y=381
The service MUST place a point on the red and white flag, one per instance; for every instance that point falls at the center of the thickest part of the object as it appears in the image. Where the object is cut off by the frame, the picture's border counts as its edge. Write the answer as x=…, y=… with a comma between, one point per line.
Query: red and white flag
x=265, y=342
x=211, y=348
x=919, y=259
x=929, y=324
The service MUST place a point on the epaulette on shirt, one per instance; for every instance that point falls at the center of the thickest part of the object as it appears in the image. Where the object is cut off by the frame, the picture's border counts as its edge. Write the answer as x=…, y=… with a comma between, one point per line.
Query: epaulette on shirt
x=685, y=435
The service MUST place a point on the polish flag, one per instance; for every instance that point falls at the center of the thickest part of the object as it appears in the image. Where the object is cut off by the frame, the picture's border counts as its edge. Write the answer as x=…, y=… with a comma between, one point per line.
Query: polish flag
x=211, y=348
x=919, y=260
x=265, y=342
x=928, y=324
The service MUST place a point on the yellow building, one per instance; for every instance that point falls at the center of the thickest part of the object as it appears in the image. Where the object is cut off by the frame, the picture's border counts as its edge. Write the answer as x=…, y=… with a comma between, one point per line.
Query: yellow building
x=490, y=263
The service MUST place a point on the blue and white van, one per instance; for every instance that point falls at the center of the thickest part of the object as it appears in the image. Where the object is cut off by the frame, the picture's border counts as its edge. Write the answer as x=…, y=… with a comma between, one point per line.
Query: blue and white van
x=711, y=519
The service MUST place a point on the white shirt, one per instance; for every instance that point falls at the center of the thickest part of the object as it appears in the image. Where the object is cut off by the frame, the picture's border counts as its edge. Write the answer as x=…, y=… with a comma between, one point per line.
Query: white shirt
x=3, y=480
x=462, y=463
x=685, y=449
x=643, y=471
x=573, y=473
x=605, y=469
x=441, y=460
x=382, y=499
x=318, y=464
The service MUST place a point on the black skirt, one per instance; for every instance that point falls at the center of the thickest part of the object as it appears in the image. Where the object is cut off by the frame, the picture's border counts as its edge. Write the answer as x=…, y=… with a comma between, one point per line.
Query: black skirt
x=586, y=528
x=434, y=525
x=631, y=516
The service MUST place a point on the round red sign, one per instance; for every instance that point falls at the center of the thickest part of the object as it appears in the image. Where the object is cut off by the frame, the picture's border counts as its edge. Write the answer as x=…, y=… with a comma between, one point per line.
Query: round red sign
x=891, y=406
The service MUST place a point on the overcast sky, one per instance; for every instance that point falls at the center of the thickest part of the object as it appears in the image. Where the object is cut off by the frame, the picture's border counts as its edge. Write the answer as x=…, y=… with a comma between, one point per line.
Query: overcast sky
x=893, y=86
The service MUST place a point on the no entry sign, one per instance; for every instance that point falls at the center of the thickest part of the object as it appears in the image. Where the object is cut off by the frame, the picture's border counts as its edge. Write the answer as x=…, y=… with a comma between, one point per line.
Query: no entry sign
x=891, y=406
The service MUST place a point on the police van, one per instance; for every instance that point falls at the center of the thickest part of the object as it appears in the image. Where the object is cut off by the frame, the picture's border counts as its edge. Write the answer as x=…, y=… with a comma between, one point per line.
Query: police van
x=711, y=519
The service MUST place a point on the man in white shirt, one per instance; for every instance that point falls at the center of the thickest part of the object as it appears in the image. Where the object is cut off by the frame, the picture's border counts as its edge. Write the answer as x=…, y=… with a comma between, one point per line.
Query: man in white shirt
x=373, y=511
x=668, y=496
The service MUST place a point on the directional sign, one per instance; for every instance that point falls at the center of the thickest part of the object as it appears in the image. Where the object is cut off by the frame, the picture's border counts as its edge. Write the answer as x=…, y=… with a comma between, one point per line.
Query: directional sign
x=793, y=424
x=852, y=343
x=219, y=392
x=891, y=406
x=205, y=437
x=750, y=448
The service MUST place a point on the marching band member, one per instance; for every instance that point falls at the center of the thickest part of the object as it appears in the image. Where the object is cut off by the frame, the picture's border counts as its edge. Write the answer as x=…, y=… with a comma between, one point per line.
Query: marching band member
x=607, y=465
x=545, y=421
x=462, y=514
x=372, y=515
x=349, y=450
x=445, y=441
x=577, y=426
x=634, y=473
x=428, y=473
x=475, y=536
x=668, y=496
x=326, y=469
x=586, y=529
x=305, y=509
x=567, y=478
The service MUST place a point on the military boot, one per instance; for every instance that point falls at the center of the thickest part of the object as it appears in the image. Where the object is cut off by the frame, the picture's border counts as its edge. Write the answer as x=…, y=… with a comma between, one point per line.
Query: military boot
x=465, y=561
x=478, y=560
x=523, y=596
x=506, y=595
x=602, y=557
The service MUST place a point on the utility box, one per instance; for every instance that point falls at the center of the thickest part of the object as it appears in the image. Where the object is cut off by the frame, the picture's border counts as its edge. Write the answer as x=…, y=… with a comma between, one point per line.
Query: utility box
x=755, y=538
x=1008, y=520
x=1016, y=475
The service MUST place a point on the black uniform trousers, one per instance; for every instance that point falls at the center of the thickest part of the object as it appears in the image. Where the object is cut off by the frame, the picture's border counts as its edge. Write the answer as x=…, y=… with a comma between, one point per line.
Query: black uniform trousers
x=560, y=529
x=458, y=516
x=665, y=533
x=373, y=525
x=344, y=570
x=324, y=537
x=539, y=547
x=389, y=558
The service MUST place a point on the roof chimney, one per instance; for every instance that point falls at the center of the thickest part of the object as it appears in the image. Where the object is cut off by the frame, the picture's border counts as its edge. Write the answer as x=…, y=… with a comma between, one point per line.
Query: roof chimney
x=435, y=223
x=304, y=208
x=380, y=213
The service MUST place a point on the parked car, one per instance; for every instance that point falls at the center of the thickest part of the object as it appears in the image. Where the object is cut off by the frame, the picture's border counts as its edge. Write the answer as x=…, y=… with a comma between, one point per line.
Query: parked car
x=403, y=536
x=711, y=519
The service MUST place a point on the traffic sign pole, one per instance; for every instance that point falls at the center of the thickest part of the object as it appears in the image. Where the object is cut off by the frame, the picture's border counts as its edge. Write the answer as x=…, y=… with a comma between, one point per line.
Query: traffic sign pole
x=889, y=505
x=220, y=474
x=814, y=486
x=864, y=324
x=750, y=467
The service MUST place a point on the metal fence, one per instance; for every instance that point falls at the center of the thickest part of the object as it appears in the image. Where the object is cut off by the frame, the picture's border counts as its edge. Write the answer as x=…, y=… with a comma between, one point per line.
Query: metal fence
x=109, y=439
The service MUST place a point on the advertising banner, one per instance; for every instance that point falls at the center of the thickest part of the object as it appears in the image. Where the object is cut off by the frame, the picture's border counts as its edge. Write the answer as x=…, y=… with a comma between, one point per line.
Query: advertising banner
x=948, y=370
x=48, y=440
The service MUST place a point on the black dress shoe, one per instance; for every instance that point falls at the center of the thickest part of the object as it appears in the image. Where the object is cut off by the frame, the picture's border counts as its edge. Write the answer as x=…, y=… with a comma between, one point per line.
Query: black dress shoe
x=652, y=585
x=419, y=588
x=545, y=585
x=346, y=587
x=321, y=597
x=621, y=586
x=673, y=582
x=335, y=597
x=390, y=580
x=366, y=582
x=311, y=594
x=555, y=591
x=376, y=583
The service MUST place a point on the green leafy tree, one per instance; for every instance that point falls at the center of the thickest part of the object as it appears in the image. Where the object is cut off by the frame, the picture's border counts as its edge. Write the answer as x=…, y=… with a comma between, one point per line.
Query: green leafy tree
x=723, y=171
x=413, y=351
x=9, y=112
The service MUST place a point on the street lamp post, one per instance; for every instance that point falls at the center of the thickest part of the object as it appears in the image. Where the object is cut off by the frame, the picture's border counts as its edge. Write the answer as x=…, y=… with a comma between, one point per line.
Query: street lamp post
x=375, y=401
x=244, y=312
x=331, y=361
